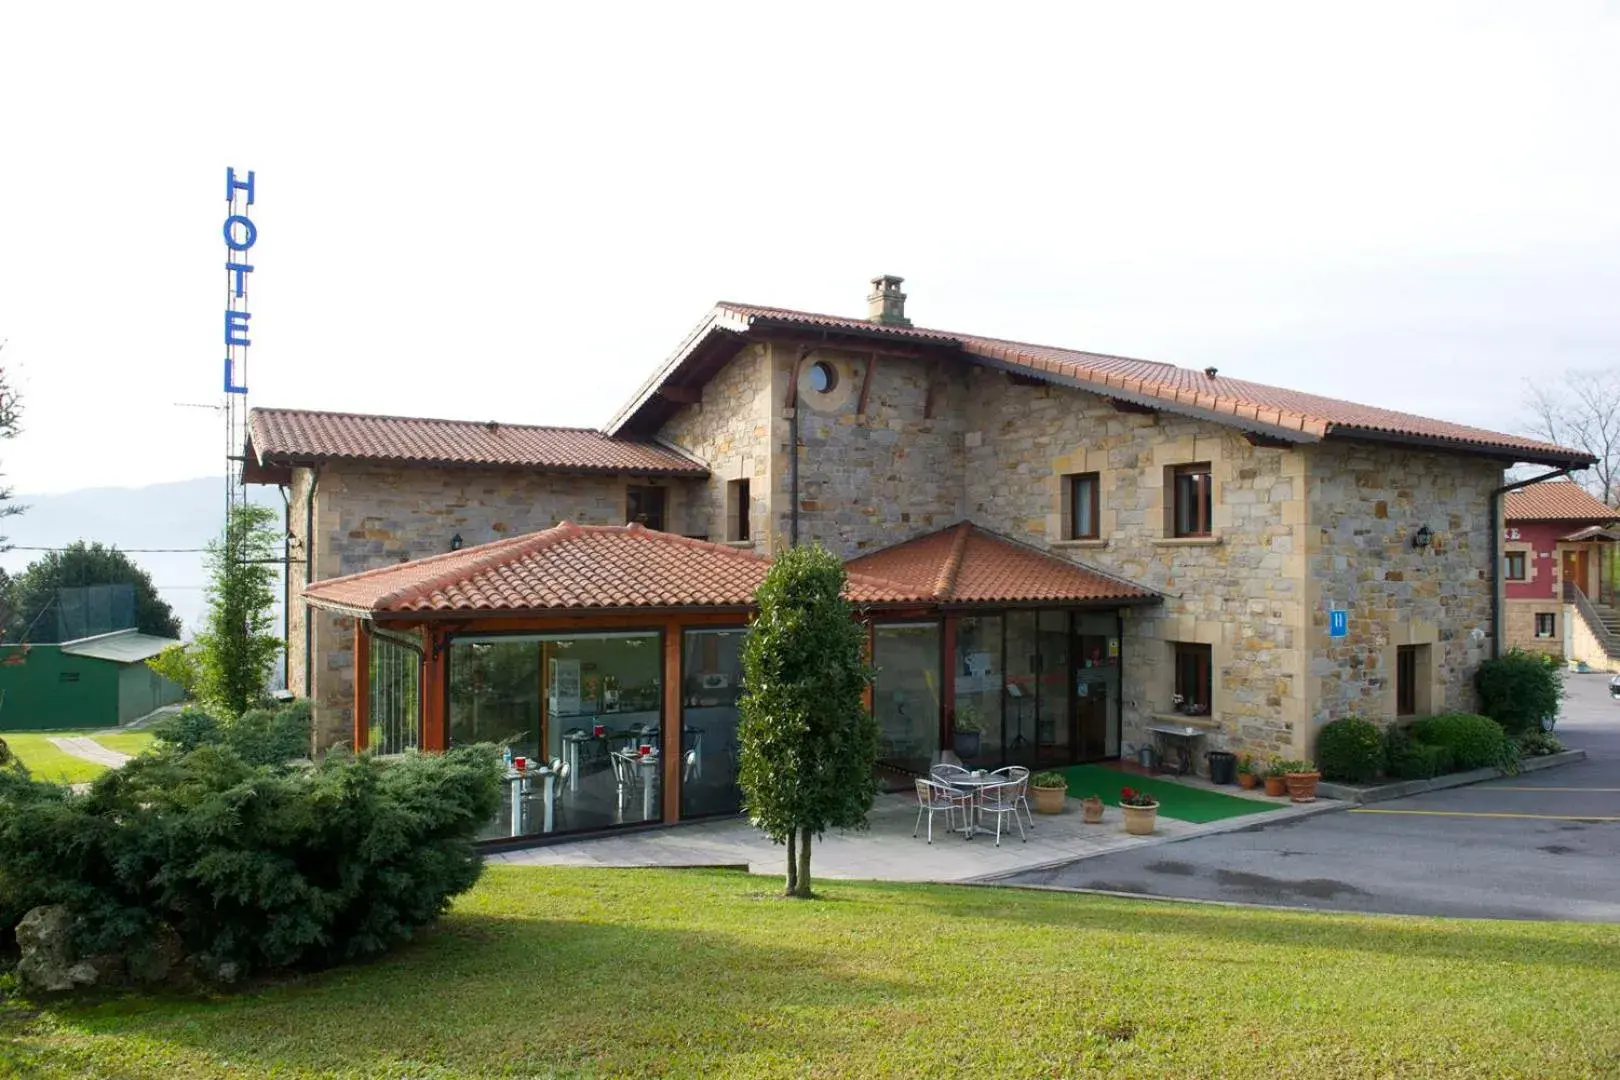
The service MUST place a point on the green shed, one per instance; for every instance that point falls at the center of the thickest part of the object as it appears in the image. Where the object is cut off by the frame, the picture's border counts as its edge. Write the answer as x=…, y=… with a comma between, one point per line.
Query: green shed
x=95, y=682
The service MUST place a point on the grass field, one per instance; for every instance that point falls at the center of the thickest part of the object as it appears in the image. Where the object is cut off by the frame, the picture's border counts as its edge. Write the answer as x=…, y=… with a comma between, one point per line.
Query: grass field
x=558, y=972
x=45, y=762
x=1179, y=801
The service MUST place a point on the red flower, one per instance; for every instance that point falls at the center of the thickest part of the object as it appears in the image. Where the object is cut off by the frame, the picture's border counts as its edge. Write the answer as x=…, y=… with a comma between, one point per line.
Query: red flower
x=1127, y=793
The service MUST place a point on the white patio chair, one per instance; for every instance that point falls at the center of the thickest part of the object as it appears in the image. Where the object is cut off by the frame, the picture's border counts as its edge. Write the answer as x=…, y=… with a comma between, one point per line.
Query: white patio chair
x=944, y=773
x=690, y=764
x=624, y=776
x=934, y=799
x=1019, y=772
x=1001, y=800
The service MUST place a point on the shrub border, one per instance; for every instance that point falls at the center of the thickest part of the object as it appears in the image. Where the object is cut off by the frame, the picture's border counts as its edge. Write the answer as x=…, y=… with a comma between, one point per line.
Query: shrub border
x=1383, y=792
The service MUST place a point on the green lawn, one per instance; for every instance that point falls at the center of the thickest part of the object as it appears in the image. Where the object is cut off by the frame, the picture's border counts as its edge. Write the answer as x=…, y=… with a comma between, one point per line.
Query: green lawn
x=45, y=762
x=1179, y=801
x=595, y=973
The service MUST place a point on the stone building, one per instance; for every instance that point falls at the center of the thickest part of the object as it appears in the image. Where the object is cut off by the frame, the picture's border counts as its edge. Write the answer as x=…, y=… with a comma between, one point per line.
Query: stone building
x=1311, y=558
x=1557, y=564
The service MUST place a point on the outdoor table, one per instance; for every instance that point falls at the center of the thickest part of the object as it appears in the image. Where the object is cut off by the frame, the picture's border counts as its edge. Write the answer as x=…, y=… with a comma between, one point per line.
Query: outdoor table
x=1183, y=735
x=519, y=782
x=973, y=782
x=648, y=764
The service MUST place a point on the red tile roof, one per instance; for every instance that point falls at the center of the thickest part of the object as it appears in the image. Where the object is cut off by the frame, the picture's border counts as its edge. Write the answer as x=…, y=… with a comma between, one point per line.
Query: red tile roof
x=298, y=436
x=1556, y=500
x=965, y=564
x=1265, y=410
x=572, y=567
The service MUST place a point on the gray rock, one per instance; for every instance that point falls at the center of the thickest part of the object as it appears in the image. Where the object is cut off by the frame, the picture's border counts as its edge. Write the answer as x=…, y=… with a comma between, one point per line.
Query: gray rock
x=155, y=959
x=45, y=938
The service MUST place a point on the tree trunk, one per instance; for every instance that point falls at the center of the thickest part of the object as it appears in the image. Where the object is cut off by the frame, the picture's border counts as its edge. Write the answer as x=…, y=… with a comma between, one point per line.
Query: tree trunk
x=803, y=890
x=793, y=866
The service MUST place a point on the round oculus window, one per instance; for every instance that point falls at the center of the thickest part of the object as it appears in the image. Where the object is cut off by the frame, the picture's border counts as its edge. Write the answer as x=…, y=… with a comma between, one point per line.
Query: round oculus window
x=823, y=377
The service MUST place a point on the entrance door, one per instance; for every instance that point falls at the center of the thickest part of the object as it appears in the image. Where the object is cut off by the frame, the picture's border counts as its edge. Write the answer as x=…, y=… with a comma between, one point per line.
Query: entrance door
x=1092, y=707
x=1575, y=565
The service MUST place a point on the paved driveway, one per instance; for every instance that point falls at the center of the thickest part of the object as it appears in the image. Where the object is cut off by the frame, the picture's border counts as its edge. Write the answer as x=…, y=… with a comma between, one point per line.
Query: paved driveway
x=1541, y=846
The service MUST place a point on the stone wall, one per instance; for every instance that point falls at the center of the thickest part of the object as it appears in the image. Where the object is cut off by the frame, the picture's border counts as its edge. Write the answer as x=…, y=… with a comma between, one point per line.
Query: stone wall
x=874, y=478
x=368, y=516
x=1519, y=625
x=1238, y=591
x=730, y=431
x=1367, y=502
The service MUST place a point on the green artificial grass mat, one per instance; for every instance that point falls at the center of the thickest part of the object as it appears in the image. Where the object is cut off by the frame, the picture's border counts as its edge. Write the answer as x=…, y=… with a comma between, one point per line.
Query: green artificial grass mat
x=595, y=973
x=1179, y=801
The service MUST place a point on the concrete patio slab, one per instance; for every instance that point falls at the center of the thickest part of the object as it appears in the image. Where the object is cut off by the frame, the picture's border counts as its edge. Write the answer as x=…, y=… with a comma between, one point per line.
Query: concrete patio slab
x=888, y=852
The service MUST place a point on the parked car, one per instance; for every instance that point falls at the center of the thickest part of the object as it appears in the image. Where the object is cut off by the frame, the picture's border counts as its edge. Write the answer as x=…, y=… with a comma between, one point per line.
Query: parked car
x=1614, y=686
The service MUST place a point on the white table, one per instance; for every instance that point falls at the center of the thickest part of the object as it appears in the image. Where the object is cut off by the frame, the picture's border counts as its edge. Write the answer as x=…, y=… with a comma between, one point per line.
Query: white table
x=973, y=783
x=648, y=764
x=519, y=782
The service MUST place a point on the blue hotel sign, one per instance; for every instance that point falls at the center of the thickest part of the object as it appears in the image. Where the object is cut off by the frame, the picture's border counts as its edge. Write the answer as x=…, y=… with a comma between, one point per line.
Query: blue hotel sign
x=1338, y=624
x=240, y=236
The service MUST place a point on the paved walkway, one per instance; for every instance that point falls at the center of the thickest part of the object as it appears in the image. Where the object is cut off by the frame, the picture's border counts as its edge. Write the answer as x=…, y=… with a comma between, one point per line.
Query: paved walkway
x=887, y=851
x=82, y=746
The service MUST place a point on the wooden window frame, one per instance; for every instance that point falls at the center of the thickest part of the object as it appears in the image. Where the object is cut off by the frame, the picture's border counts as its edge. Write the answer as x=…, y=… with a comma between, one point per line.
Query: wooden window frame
x=641, y=491
x=1092, y=483
x=1200, y=478
x=1508, y=561
x=739, y=503
x=1193, y=678
x=1406, y=695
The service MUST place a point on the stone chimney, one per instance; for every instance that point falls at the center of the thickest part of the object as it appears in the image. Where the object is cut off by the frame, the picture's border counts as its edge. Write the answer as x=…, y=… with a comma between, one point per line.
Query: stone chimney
x=887, y=304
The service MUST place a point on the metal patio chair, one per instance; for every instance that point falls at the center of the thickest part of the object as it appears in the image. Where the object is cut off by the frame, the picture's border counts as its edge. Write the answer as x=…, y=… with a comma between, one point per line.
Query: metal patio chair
x=1019, y=772
x=1001, y=800
x=934, y=798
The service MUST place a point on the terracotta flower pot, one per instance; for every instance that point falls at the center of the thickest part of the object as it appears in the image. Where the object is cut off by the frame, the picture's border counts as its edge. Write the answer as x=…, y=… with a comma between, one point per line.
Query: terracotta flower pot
x=1302, y=786
x=1276, y=785
x=1049, y=800
x=1140, y=820
x=1248, y=781
x=1093, y=808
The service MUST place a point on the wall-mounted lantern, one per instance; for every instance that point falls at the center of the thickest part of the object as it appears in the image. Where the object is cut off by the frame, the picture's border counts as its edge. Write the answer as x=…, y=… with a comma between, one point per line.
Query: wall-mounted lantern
x=455, y=542
x=1421, y=538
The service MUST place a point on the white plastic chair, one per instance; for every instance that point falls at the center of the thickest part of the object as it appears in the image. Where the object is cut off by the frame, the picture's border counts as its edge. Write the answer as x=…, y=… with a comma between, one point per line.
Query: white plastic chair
x=690, y=764
x=1001, y=800
x=624, y=776
x=934, y=798
x=1019, y=772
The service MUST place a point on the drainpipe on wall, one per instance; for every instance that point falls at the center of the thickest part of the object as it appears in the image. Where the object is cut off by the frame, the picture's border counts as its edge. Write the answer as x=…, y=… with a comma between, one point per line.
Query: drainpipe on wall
x=309, y=579
x=1496, y=551
x=286, y=578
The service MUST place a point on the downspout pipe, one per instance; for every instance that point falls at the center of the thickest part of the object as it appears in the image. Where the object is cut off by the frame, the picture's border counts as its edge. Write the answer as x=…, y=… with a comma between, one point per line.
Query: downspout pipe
x=286, y=577
x=309, y=579
x=1496, y=550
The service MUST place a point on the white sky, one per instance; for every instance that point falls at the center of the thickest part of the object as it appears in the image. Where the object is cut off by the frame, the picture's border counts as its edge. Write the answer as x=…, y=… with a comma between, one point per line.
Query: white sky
x=514, y=213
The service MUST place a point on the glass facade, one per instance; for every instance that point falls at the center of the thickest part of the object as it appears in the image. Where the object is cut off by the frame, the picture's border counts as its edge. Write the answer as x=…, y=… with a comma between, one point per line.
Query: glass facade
x=906, y=695
x=711, y=682
x=590, y=703
x=979, y=689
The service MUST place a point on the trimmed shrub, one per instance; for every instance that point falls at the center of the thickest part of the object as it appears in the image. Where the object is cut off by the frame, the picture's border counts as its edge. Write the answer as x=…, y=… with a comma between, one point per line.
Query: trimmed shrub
x=1519, y=689
x=1351, y=750
x=5, y=754
x=1538, y=744
x=260, y=867
x=1419, y=761
x=258, y=736
x=1474, y=741
x=187, y=730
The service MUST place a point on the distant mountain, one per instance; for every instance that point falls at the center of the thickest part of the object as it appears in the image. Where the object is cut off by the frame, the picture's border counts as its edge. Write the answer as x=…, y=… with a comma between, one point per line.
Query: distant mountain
x=185, y=514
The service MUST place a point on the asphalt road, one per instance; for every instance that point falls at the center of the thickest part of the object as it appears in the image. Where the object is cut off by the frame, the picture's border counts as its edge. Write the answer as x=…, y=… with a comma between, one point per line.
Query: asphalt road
x=1527, y=847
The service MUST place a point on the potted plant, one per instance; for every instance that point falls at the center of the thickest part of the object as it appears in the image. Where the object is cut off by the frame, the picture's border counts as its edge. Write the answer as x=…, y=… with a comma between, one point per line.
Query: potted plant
x=1276, y=777
x=968, y=730
x=1092, y=806
x=1301, y=777
x=1141, y=811
x=1050, y=789
x=1248, y=773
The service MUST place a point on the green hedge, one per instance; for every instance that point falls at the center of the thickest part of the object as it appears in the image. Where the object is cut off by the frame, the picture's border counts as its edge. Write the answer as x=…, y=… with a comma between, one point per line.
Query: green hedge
x=259, y=736
x=1419, y=761
x=263, y=867
x=1474, y=741
x=1519, y=689
x=1351, y=750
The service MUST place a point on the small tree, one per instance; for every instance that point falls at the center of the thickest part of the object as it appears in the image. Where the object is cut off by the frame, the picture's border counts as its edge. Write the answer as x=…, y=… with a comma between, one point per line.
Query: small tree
x=10, y=425
x=178, y=664
x=807, y=743
x=238, y=647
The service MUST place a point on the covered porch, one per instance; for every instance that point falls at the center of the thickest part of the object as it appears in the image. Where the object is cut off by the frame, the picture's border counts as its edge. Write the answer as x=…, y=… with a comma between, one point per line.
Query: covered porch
x=605, y=662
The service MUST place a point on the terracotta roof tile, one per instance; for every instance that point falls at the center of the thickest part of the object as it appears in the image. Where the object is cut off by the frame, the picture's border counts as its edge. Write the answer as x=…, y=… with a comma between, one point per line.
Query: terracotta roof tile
x=573, y=567
x=1556, y=500
x=1248, y=405
x=298, y=436
x=965, y=564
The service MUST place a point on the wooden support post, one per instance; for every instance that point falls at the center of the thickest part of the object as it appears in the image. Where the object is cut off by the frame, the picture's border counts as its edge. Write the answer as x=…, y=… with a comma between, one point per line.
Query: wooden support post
x=869, y=695
x=672, y=748
x=435, y=668
x=362, y=686
x=947, y=686
x=866, y=384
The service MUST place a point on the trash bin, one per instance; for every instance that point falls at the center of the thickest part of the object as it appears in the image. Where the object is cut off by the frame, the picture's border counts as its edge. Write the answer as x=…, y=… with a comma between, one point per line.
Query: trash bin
x=1146, y=758
x=1222, y=766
